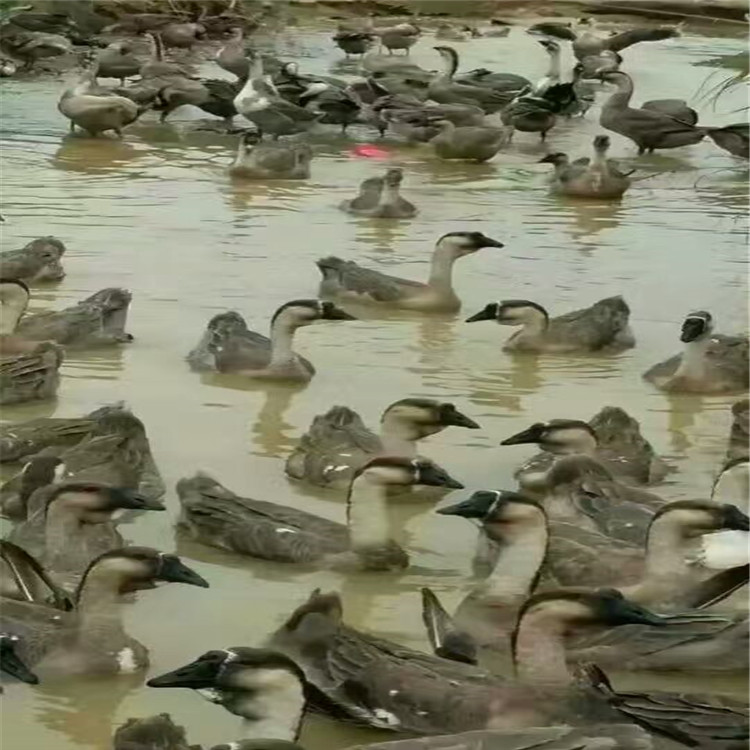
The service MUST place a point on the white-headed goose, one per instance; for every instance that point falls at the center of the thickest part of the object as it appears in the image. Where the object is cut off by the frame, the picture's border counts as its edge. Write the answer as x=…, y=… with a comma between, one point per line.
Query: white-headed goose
x=348, y=280
x=228, y=345
x=603, y=327
x=214, y=515
x=710, y=362
x=337, y=442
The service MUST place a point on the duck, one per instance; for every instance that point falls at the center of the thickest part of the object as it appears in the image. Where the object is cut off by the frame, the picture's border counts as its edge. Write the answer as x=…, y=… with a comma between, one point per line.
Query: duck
x=96, y=112
x=612, y=437
x=337, y=443
x=365, y=676
x=98, y=320
x=270, y=692
x=353, y=42
x=38, y=261
x=476, y=143
x=259, y=160
x=603, y=327
x=584, y=178
x=91, y=639
x=70, y=522
x=380, y=198
x=445, y=90
x=399, y=36
x=347, y=280
x=485, y=619
x=710, y=362
x=214, y=515
x=11, y=663
x=117, y=60
x=229, y=346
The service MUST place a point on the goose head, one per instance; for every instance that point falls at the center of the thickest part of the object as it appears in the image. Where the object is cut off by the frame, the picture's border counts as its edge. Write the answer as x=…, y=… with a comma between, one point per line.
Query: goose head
x=558, y=158
x=691, y=518
x=512, y=312
x=93, y=503
x=131, y=569
x=601, y=144
x=696, y=326
x=551, y=47
x=249, y=140
x=393, y=178
x=421, y=417
x=399, y=471
x=559, y=436
x=304, y=312
x=47, y=253
x=10, y=661
x=459, y=244
x=14, y=299
x=224, y=327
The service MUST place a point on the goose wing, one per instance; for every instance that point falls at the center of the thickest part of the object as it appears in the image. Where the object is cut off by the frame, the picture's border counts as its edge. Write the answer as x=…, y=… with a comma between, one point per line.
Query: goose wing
x=559, y=31
x=729, y=355
x=594, y=327
x=39, y=627
x=30, y=376
x=676, y=108
x=348, y=276
x=634, y=36
x=18, y=440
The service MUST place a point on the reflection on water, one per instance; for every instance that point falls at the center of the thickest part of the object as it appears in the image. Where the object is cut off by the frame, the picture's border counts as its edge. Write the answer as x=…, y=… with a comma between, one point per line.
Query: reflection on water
x=157, y=214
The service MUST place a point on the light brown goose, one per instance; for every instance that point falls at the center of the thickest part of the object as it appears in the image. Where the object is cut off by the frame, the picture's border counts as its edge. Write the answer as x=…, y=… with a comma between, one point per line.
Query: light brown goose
x=216, y=516
x=380, y=198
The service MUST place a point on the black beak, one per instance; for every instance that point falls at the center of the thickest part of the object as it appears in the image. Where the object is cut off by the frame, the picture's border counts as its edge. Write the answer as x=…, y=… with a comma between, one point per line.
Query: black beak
x=549, y=159
x=175, y=571
x=532, y=434
x=692, y=328
x=119, y=497
x=433, y=476
x=331, y=312
x=12, y=665
x=476, y=506
x=454, y=418
x=489, y=313
x=489, y=242
x=199, y=674
x=733, y=518
x=621, y=611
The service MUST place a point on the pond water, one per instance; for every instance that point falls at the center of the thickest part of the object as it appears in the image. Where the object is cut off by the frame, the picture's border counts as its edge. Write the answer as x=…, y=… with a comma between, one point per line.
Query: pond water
x=157, y=214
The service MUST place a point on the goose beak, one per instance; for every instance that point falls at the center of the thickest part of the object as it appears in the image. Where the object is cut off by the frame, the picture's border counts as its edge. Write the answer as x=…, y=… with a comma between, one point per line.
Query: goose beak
x=197, y=675
x=691, y=329
x=174, y=570
x=487, y=314
x=434, y=476
x=549, y=159
x=120, y=497
x=12, y=665
x=332, y=312
x=457, y=419
x=734, y=519
x=622, y=611
x=476, y=506
x=530, y=435
x=489, y=242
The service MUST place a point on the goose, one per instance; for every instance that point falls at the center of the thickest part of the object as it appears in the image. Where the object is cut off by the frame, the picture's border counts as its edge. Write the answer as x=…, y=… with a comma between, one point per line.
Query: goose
x=584, y=178
x=156, y=68
x=98, y=320
x=32, y=46
x=117, y=60
x=603, y=327
x=455, y=33
x=710, y=363
x=332, y=105
x=229, y=346
x=399, y=36
x=270, y=692
x=473, y=143
x=353, y=42
x=507, y=85
x=338, y=443
x=36, y=473
x=233, y=56
x=214, y=515
x=39, y=260
x=11, y=663
x=485, y=619
x=497, y=28
x=348, y=280
x=419, y=122
x=258, y=160
x=93, y=112
x=612, y=437
x=390, y=686
x=380, y=198
x=588, y=44
x=71, y=522
x=445, y=90
x=183, y=35
x=91, y=639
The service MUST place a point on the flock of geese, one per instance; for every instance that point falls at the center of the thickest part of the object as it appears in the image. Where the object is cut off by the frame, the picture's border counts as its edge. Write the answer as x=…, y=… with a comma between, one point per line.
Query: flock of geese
x=582, y=568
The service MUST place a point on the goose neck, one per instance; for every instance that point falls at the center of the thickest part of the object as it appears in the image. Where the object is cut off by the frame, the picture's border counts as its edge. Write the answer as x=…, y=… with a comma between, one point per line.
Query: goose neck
x=441, y=269
x=274, y=711
x=397, y=436
x=282, y=339
x=620, y=98
x=539, y=650
x=98, y=608
x=694, y=358
x=367, y=514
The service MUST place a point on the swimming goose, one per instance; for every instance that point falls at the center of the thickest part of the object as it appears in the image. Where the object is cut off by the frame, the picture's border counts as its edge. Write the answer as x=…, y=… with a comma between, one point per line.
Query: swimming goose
x=348, y=280
x=710, y=363
x=584, y=178
x=98, y=320
x=259, y=160
x=95, y=112
x=71, y=522
x=353, y=42
x=603, y=327
x=216, y=516
x=337, y=442
x=39, y=260
x=269, y=691
x=518, y=526
x=380, y=198
x=473, y=143
x=229, y=346
x=117, y=60
x=368, y=678
x=399, y=36
x=91, y=639
x=445, y=90
x=10, y=661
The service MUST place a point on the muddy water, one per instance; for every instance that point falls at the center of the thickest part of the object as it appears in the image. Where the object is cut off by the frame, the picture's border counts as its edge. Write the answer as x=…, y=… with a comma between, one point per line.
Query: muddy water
x=156, y=213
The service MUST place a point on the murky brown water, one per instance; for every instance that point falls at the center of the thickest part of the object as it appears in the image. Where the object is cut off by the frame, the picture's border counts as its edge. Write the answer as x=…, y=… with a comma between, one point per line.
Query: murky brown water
x=157, y=214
